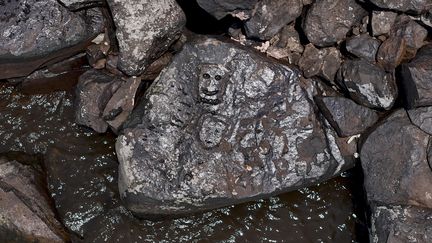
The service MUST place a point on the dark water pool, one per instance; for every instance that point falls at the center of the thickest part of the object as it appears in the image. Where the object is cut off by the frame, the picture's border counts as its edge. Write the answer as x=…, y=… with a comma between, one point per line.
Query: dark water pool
x=82, y=178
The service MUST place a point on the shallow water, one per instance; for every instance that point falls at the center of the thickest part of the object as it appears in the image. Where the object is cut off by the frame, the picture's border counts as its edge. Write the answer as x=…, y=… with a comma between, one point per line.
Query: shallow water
x=82, y=178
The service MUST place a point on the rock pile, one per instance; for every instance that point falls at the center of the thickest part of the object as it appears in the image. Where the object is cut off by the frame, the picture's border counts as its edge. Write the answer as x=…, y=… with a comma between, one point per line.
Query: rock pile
x=279, y=105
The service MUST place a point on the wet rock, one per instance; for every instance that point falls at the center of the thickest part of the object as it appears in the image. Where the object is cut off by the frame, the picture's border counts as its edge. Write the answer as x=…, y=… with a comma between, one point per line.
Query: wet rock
x=36, y=28
x=412, y=32
x=320, y=62
x=363, y=46
x=345, y=116
x=220, y=126
x=410, y=6
x=121, y=104
x=382, y=22
x=328, y=21
x=395, y=166
x=145, y=30
x=416, y=77
x=286, y=45
x=391, y=53
x=422, y=118
x=26, y=214
x=368, y=84
x=270, y=16
x=94, y=90
x=401, y=224
x=221, y=8
x=80, y=4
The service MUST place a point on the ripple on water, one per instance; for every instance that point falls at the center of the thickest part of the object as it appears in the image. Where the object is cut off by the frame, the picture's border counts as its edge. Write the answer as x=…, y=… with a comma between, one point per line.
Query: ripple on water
x=82, y=175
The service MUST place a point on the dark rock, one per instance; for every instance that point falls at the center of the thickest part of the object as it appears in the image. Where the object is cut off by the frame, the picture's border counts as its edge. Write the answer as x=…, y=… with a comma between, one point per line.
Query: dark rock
x=345, y=116
x=221, y=8
x=382, y=22
x=270, y=16
x=368, y=84
x=422, y=118
x=410, y=6
x=401, y=224
x=391, y=53
x=328, y=21
x=320, y=62
x=145, y=30
x=412, y=32
x=395, y=166
x=36, y=28
x=80, y=4
x=221, y=126
x=363, y=46
x=94, y=90
x=26, y=213
x=121, y=104
x=416, y=77
x=286, y=44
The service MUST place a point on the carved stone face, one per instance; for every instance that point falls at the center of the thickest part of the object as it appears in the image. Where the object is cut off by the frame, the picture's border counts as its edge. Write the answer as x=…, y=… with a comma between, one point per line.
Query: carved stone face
x=212, y=82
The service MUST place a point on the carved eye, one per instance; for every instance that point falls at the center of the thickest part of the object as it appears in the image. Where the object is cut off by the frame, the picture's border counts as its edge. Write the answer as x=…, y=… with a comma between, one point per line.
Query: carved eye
x=218, y=77
x=206, y=76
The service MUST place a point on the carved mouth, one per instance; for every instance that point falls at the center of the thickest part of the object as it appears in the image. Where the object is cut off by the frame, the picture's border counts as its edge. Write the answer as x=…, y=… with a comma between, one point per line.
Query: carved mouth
x=208, y=92
x=210, y=101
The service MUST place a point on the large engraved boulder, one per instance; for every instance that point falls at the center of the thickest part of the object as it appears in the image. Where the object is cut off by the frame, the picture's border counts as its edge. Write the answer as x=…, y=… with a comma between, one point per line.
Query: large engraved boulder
x=220, y=126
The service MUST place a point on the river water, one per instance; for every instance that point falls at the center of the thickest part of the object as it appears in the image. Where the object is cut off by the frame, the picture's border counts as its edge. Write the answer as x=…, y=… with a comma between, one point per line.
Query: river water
x=81, y=171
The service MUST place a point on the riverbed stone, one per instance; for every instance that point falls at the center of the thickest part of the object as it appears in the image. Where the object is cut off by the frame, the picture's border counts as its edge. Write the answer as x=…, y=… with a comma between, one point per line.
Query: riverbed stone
x=221, y=125
x=409, y=6
x=145, y=30
x=395, y=165
x=394, y=223
x=270, y=16
x=345, y=116
x=221, y=8
x=363, y=46
x=329, y=21
x=93, y=92
x=26, y=214
x=382, y=22
x=368, y=84
x=416, y=77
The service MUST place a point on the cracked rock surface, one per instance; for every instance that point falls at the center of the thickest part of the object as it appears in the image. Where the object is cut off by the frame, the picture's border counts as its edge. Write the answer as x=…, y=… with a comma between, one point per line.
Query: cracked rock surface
x=220, y=126
x=144, y=36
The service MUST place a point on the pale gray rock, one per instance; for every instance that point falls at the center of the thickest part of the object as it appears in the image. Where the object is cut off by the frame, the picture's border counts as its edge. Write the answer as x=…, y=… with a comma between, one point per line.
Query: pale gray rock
x=382, y=22
x=222, y=125
x=145, y=30
x=394, y=158
x=26, y=215
x=221, y=8
x=35, y=28
x=329, y=21
x=270, y=16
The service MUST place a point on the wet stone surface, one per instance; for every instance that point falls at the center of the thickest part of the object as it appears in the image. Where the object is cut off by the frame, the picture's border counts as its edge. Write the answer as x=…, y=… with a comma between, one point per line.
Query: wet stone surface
x=83, y=182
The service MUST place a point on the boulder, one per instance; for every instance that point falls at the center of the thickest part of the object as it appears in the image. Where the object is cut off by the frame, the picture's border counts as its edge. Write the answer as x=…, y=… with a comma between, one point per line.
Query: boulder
x=416, y=77
x=221, y=125
x=93, y=92
x=221, y=8
x=345, y=116
x=26, y=214
x=323, y=62
x=391, y=53
x=422, y=118
x=401, y=224
x=145, y=30
x=329, y=21
x=395, y=165
x=410, y=6
x=368, y=84
x=363, y=46
x=270, y=16
x=382, y=22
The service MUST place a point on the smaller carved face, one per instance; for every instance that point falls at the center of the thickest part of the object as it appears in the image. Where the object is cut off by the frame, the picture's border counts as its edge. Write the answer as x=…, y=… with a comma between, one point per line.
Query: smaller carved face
x=212, y=83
